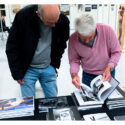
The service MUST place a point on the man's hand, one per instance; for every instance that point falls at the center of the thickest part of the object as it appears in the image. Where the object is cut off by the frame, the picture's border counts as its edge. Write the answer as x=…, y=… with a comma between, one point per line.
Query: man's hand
x=76, y=80
x=21, y=81
x=106, y=76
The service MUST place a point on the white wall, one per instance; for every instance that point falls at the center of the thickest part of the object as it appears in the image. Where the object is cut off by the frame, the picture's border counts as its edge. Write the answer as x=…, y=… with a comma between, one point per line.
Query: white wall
x=9, y=14
x=107, y=14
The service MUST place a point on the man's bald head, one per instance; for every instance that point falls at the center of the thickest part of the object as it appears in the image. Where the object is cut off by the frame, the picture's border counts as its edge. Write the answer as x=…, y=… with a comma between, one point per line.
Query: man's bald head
x=49, y=13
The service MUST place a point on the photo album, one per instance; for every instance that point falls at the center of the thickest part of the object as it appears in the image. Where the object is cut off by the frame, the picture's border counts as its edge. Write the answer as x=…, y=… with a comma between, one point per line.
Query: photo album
x=96, y=94
x=16, y=107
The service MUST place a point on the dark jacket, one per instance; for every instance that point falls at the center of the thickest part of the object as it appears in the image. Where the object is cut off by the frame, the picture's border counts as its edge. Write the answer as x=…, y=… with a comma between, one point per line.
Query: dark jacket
x=23, y=40
x=3, y=24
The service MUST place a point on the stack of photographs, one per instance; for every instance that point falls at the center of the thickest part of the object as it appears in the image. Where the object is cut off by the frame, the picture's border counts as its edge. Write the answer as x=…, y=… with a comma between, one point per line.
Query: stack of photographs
x=115, y=100
x=114, y=104
x=45, y=104
x=16, y=107
x=83, y=102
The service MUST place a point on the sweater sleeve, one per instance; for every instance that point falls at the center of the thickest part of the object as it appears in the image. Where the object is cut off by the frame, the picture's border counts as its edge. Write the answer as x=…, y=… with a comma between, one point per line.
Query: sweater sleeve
x=114, y=47
x=74, y=58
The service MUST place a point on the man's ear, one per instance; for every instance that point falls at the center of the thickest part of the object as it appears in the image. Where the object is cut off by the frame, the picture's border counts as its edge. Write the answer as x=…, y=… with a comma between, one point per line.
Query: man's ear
x=38, y=14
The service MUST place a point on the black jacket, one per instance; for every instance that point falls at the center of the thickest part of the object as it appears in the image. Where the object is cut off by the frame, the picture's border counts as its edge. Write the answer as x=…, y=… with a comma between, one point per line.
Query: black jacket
x=3, y=24
x=23, y=40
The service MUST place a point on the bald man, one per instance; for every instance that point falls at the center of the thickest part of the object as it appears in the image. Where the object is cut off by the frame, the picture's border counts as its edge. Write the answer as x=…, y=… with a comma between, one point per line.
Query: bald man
x=35, y=46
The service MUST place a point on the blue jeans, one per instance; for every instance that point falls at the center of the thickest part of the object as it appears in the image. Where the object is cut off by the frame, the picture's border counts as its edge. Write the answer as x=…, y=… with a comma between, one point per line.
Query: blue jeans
x=47, y=78
x=87, y=78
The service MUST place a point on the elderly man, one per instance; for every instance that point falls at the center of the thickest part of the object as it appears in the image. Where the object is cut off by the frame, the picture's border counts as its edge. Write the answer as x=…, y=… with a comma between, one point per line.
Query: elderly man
x=94, y=47
x=35, y=46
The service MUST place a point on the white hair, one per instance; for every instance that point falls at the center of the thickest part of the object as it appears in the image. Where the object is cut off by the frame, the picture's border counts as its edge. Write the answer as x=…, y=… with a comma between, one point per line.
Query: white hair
x=40, y=9
x=85, y=24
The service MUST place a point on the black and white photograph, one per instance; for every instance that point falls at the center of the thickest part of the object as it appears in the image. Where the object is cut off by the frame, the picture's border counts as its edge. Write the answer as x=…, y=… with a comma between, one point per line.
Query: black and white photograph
x=45, y=104
x=94, y=6
x=96, y=117
x=64, y=114
x=65, y=8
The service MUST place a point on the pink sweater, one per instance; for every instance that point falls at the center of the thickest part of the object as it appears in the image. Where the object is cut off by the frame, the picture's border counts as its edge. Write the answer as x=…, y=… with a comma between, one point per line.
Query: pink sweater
x=105, y=51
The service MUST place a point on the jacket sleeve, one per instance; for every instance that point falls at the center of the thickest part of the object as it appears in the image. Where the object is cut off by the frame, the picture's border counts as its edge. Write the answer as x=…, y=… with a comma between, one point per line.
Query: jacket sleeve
x=13, y=49
x=66, y=29
x=62, y=42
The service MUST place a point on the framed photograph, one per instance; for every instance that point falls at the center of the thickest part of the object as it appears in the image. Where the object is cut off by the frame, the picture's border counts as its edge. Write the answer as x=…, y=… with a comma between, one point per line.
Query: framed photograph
x=94, y=6
x=15, y=8
x=87, y=9
x=105, y=5
x=65, y=8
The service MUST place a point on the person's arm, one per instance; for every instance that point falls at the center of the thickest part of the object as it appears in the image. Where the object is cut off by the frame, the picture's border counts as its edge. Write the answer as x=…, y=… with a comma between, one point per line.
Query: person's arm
x=107, y=73
x=115, y=53
x=64, y=36
x=74, y=61
x=75, y=80
x=13, y=47
x=61, y=32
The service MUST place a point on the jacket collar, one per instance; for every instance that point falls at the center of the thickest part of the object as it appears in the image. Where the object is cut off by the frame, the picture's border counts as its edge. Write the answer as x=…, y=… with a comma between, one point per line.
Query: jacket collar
x=35, y=21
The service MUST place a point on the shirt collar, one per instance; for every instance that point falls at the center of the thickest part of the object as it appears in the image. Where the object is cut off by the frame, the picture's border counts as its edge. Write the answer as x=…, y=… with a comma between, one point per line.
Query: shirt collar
x=90, y=44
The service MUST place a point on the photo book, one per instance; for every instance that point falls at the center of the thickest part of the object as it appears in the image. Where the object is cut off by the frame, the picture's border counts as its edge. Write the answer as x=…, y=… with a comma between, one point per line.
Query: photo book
x=115, y=100
x=16, y=107
x=96, y=94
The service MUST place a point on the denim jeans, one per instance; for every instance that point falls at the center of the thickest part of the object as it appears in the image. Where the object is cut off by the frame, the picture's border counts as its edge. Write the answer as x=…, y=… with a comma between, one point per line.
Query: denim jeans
x=47, y=78
x=87, y=78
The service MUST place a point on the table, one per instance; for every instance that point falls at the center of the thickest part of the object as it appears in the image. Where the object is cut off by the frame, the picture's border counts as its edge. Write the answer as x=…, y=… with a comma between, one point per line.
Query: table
x=42, y=116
